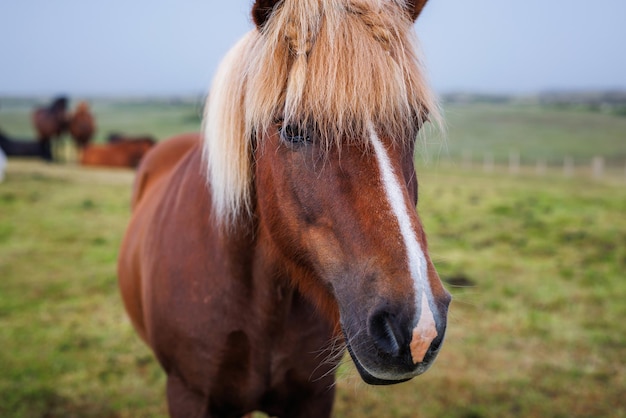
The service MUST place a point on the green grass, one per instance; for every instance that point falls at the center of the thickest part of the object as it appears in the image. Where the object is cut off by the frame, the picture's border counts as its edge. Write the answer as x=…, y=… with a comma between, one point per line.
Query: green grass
x=536, y=326
x=536, y=132
x=539, y=333
x=66, y=344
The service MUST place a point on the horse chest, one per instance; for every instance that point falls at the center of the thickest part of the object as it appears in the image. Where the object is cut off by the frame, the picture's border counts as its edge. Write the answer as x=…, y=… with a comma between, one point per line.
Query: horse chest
x=276, y=364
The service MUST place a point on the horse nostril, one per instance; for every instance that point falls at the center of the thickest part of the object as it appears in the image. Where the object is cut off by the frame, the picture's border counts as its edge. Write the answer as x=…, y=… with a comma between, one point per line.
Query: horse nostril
x=436, y=345
x=384, y=332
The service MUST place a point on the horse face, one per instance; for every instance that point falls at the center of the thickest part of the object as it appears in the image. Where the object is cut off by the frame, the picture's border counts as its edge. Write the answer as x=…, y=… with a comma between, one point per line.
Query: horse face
x=344, y=221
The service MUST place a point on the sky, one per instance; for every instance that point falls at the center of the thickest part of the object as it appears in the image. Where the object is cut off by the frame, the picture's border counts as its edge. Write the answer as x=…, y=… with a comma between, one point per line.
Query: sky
x=172, y=47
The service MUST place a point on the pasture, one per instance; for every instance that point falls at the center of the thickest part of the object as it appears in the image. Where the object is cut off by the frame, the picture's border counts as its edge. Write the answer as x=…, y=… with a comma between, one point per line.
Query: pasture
x=536, y=266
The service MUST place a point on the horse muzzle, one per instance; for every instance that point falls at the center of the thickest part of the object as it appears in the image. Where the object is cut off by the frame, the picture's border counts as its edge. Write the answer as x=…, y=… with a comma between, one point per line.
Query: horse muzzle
x=391, y=350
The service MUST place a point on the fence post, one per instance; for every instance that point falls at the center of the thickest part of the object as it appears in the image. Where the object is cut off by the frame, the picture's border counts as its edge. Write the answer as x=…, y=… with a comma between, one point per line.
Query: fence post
x=597, y=167
x=488, y=163
x=568, y=166
x=514, y=162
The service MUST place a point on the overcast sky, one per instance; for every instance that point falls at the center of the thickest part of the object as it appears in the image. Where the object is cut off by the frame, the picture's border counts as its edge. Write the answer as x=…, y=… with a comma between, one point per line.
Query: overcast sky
x=139, y=47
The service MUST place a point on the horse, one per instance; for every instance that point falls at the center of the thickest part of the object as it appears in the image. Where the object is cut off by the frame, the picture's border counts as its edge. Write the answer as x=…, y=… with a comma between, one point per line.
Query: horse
x=118, y=137
x=82, y=125
x=50, y=122
x=117, y=154
x=25, y=147
x=257, y=255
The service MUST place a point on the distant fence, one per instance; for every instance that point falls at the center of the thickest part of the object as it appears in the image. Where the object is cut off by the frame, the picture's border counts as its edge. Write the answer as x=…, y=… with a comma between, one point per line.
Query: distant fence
x=595, y=168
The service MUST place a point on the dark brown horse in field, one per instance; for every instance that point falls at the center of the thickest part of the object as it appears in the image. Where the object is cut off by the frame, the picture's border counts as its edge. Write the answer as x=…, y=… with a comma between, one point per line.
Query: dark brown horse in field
x=50, y=122
x=256, y=255
x=82, y=125
x=125, y=153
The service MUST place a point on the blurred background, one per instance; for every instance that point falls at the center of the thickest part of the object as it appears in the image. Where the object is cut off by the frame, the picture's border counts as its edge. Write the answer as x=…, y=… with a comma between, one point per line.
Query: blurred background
x=523, y=198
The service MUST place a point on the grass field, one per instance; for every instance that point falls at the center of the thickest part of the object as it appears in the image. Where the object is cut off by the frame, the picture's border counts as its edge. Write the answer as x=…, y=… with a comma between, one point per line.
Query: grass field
x=536, y=266
x=535, y=132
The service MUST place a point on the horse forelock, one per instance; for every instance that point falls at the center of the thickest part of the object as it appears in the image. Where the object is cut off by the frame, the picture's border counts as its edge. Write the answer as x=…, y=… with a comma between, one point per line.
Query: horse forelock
x=336, y=66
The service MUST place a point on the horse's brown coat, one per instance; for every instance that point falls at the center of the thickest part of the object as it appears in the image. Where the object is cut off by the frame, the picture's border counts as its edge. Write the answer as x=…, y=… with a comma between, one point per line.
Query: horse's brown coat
x=161, y=162
x=82, y=125
x=51, y=121
x=266, y=341
x=117, y=154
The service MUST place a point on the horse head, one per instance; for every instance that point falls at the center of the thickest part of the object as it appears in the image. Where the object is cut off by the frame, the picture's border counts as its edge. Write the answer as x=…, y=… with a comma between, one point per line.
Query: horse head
x=310, y=130
x=58, y=109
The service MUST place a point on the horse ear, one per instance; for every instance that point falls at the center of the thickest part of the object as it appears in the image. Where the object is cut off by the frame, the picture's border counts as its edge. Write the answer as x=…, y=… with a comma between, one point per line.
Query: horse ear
x=262, y=10
x=415, y=8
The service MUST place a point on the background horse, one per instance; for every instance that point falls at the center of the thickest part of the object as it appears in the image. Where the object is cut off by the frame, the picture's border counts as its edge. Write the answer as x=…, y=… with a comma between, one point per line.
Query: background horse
x=25, y=147
x=117, y=154
x=253, y=260
x=82, y=126
x=117, y=137
x=50, y=122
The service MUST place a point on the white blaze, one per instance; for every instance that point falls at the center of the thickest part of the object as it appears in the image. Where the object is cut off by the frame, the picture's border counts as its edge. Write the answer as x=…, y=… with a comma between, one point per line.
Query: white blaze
x=415, y=255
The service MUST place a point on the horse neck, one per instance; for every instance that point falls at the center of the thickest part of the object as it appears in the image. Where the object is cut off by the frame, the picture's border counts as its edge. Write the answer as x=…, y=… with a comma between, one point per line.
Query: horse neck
x=260, y=278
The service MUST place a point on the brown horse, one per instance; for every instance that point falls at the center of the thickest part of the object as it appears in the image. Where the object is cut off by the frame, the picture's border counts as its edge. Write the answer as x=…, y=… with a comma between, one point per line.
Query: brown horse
x=82, y=125
x=50, y=122
x=253, y=259
x=116, y=154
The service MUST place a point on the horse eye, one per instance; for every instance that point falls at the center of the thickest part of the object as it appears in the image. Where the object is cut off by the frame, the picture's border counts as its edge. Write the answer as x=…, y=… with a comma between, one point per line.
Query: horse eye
x=294, y=135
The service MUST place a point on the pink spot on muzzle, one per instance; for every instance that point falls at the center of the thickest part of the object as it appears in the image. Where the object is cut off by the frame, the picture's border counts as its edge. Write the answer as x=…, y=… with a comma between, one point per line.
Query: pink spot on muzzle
x=424, y=333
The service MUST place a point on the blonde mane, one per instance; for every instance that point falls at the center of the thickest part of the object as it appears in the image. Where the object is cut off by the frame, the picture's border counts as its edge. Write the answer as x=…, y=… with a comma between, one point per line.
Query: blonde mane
x=337, y=65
